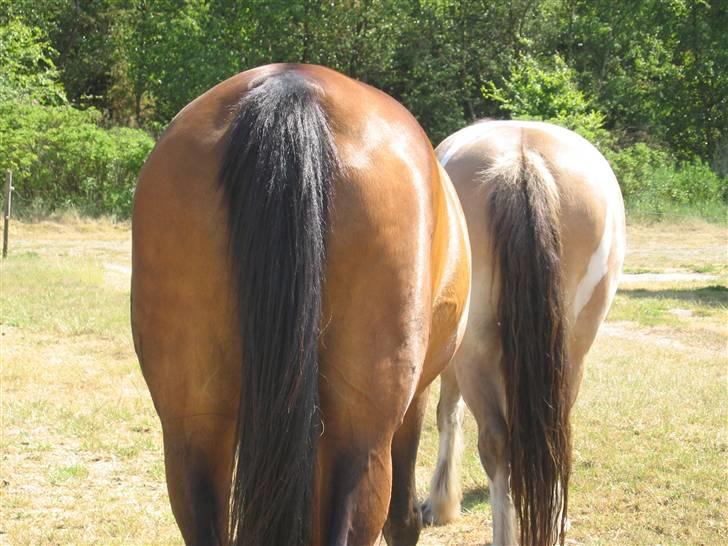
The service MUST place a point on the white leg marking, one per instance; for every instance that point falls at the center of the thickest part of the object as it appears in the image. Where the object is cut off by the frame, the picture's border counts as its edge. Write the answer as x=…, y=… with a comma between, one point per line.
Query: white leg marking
x=504, y=514
x=443, y=506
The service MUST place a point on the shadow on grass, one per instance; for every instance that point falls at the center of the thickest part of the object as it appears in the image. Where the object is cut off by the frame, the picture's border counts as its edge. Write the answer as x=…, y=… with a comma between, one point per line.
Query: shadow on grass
x=711, y=296
x=474, y=496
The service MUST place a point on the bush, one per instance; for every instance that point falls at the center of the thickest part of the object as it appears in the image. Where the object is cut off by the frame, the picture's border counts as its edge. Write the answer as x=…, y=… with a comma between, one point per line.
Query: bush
x=547, y=90
x=652, y=181
x=62, y=157
x=635, y=166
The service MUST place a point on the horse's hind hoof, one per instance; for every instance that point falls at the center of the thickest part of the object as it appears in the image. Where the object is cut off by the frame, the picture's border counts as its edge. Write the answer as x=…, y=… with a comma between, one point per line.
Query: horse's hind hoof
x=444, y=515
x=428, y=517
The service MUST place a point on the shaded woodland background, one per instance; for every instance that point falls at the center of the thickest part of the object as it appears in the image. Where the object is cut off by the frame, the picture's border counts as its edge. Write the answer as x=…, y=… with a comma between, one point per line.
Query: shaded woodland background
x=86, y=86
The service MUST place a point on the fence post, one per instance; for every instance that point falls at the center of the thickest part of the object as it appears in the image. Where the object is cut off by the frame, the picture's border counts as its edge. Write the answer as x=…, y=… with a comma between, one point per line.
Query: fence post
x=8, y=196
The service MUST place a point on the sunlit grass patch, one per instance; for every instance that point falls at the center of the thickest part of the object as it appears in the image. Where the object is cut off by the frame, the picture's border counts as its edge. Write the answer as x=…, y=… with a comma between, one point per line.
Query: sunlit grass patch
x=61, y=297
x=690, y=245
x=671, y=304
x=650, y=443
x=64, y=473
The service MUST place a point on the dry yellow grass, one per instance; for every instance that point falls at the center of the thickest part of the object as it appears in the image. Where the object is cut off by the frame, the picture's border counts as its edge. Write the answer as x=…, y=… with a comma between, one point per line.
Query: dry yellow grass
x=81, y=454
x=691, y=245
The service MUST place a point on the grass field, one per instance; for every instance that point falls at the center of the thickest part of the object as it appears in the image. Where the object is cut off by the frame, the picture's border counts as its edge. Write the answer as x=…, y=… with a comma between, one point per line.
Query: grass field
x=81, y=453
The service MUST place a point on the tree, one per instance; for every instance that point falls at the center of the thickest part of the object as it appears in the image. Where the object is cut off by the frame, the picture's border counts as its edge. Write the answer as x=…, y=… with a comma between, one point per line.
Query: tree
x=547, y=90
x=27, y=69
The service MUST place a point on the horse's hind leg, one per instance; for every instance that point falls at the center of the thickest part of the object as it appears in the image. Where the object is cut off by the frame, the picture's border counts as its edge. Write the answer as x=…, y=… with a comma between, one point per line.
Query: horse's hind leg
x=443, y=505
x=492, y=446
x=197, y=463
x=191, y=381
x=404, y=522
x=355, y=474
x=364, y=395
x=483, y=389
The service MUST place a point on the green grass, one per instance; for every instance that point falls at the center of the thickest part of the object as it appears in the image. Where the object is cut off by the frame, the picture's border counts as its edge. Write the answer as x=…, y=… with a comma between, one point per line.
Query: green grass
x=670, y=305
x=82, y=452
x=63, y=474
x=650, y=211
x=651, y=446
x=60, y=296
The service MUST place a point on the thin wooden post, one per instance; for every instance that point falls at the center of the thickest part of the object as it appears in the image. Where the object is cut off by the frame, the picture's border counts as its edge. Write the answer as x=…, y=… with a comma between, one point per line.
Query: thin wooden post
x=8, y=197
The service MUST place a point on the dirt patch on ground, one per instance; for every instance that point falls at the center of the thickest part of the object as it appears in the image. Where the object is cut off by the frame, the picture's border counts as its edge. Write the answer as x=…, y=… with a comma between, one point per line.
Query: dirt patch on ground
x=669, y=338
x=686, y=246
x=633, y=331
x=101, y=239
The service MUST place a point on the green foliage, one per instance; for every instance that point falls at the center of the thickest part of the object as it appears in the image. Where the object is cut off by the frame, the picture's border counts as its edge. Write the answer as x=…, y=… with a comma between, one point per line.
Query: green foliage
x=27, y=71
x=650, y=178
x=548, y=91
x=634, y=167
x=81, y=34
x=652, y=181
x=61, y=157
x=690, y=183
x=658, y=69
x=172, y=51
x=618, y=73
x=538, y=89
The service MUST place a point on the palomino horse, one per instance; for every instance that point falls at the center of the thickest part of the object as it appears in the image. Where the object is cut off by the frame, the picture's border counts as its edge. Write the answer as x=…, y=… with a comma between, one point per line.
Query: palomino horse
x=301, y=273
x=546, y=223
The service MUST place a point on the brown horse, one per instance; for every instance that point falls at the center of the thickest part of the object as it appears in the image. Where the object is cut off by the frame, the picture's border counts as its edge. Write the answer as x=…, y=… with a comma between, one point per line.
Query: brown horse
x=546, y=224
x=301, y=272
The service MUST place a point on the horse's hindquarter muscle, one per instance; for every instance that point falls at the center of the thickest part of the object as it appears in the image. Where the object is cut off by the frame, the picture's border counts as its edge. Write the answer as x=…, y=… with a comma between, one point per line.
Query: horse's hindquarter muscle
x=376, y=297
x=394, y=287
x=184, y=313
x=592, y=231
x=591, y=213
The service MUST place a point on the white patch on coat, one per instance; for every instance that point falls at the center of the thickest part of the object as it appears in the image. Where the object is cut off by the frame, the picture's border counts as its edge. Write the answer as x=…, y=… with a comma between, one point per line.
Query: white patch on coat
x=598, y=266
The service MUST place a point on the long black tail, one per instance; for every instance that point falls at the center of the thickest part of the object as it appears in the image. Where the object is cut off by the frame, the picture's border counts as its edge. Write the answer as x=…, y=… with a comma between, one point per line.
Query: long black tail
x=277, y=172
x=524, y=224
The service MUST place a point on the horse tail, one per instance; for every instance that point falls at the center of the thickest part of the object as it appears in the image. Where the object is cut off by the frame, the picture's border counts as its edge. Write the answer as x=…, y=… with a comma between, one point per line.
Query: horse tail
x=277, y=173
x=524, y=224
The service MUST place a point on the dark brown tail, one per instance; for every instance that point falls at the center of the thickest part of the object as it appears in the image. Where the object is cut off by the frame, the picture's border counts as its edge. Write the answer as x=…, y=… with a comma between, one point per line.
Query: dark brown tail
x=524, y=224
x=277, y=173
